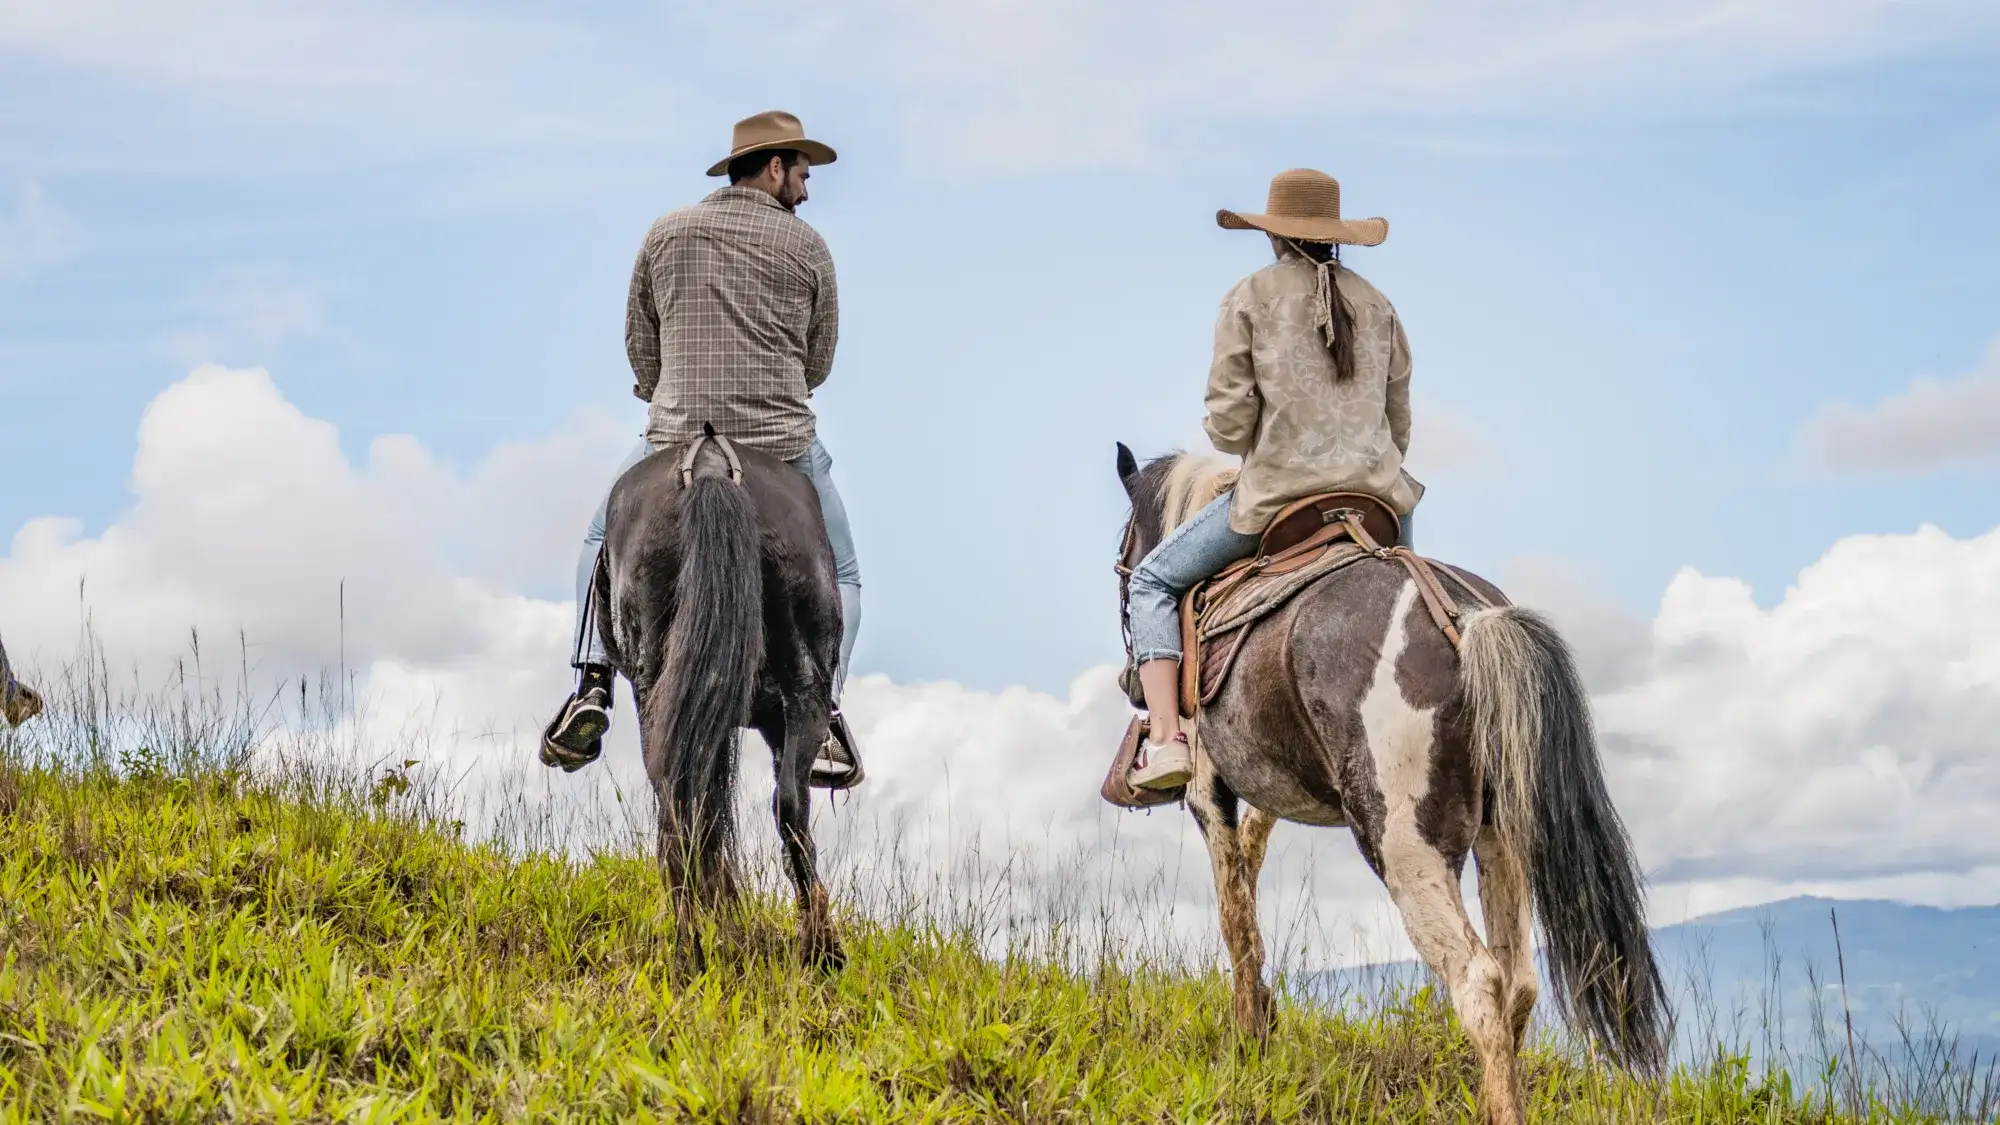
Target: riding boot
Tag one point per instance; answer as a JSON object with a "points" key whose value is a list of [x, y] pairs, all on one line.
{"points": [[576, 737]]}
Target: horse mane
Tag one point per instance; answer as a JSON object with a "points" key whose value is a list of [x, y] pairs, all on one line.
{"points": [[1192, 481]]}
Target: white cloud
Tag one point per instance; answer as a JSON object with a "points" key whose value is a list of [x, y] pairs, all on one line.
{"points": [[36, 233], [247, 515], [1838, 740], [1845, 733], [1934, 424]]}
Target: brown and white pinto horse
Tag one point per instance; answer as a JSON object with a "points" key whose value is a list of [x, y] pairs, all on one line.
{"points": [[1349, 707], [18, 702]]}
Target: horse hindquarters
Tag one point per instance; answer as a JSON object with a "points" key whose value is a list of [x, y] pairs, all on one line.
{"points": [[1417, 820]]}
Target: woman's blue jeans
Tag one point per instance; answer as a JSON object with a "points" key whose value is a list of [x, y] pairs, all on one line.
{"points": [[1191, 552], [1195, 550], [815, 463]]}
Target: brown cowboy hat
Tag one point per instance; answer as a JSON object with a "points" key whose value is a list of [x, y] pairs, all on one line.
{"points": [[1305, 205], [771, 132]]}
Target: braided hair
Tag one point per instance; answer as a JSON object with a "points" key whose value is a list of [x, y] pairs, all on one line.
{"points": [[1335, 316]]}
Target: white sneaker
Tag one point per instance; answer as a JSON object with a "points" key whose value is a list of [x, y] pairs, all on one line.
{"points": [[1164, 766]]}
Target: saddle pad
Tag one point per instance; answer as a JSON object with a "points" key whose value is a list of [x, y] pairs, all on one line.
{"points": [[1221, 626]]}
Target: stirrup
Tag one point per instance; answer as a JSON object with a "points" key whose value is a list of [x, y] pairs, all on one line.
{"points": [[576, 737], [839, 743]]}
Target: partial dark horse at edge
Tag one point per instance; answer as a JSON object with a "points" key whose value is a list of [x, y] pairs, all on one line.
{"points": [[723, 613], [18, 701]]}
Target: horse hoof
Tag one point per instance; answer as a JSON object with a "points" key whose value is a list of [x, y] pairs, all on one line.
{"points": [[1256, 1015], [826, 956]]}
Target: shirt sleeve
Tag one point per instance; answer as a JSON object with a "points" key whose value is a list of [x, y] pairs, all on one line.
{"points": [[642, 328], [1399, 386], [1233, 401], [824, 332]]}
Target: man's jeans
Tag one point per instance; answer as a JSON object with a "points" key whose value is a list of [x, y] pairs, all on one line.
{"points": [[1195, 550], [814, 463]]}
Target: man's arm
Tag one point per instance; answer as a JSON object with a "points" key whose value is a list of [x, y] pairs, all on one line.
{"points": [[642, 327], [824, 331], [1233, 401], [1399, 386]]}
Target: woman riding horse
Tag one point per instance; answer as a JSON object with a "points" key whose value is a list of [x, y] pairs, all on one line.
{"points": [[1436, 725], [1310, 384]]}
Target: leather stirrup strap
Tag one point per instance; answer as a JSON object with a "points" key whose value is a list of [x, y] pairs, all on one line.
{"points": [[1444, 611], [1190, 685], [708, 434]]}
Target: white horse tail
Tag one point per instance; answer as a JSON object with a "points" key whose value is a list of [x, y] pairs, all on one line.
{"points": [[1533, 736]]}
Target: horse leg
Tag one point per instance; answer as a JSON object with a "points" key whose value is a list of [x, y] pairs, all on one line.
{"points": [[1255, 834], [805, 729], [1425, 891], [1214, 807], [672, 846], [1504, 900]]}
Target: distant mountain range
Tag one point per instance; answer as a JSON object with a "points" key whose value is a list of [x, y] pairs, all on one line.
{"points": [[1746, 978]]}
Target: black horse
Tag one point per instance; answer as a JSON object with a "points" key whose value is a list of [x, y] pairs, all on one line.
{"points": [[723, 614]]}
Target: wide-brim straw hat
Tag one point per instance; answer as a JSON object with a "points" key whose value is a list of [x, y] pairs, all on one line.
{"points": [[772, 132], [1305, 205]]}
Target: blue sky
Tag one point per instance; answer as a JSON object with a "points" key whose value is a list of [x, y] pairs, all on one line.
{"points": [[1703, 300], [1625, 297]]}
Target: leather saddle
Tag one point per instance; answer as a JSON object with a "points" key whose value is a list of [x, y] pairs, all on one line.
{"points": [[1322, 532]]}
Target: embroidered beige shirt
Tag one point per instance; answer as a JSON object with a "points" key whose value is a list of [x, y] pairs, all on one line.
{"points": [[732, 319], [1273, 400]]}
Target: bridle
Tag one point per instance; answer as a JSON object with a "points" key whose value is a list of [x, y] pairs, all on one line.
{"points": [[1124, 567]]}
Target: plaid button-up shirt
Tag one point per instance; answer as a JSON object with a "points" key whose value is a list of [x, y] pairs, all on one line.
{"points": [[732, 319]]}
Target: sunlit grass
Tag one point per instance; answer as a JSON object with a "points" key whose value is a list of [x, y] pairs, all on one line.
{"points": [[186, 938]]}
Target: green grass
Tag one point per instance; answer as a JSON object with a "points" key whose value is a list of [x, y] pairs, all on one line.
{"points": [[209, 947]]}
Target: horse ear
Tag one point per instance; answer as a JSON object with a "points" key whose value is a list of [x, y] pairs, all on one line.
{"points": [[1127, 464]]}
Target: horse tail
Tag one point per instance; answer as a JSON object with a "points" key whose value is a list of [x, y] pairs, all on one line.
{"points": [[1533, 736], [714, 647]]}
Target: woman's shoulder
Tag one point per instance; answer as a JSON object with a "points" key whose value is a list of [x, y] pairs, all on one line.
{"points": [[1358, 288], [1283, 276]]}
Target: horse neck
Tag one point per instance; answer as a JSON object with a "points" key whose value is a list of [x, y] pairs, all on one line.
{"points": [[1193, 481]]}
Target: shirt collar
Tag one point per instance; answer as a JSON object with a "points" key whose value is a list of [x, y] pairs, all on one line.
{"points": [[737, 193]]}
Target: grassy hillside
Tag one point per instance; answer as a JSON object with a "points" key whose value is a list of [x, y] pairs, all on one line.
{"points": [[205, 948]]}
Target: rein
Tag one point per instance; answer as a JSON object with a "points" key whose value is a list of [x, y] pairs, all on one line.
{"points": [[1124, 567]]}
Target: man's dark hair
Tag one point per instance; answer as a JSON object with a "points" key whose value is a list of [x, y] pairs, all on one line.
{"points": [[751, 163]]}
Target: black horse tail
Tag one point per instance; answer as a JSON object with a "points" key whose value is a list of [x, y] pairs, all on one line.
{"points": [[1532, 731], [708, 674]]}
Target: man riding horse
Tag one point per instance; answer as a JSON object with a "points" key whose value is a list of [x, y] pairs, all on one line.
{"points": [[731, 322]]}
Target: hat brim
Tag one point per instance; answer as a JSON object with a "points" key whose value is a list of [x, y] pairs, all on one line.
{"points": [[1351, 232], [816, 153]]}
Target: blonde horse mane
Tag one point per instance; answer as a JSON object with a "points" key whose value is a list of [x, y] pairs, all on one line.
{"points": [[1193, 480]]}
